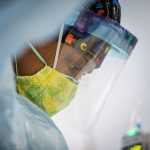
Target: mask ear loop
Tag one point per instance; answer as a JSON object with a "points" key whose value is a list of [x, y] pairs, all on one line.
{"points": [[36, 53], [58, 46]]}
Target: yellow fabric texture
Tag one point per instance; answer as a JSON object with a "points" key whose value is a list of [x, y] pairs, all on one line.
{"points": [[48, 89]]}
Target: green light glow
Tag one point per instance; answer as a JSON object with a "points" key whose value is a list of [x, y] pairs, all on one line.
{"points": [[132, 132]]}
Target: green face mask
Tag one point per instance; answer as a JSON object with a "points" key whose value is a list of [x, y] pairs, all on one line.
{"points": [[49, 89]]}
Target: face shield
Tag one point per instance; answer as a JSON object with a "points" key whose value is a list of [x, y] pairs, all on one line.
{"points": [[92, 44], [92, 39]]}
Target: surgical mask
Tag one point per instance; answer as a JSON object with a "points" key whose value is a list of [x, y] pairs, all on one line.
{"points": [[48, 89]]}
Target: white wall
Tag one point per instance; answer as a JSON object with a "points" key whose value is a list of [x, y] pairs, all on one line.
{"points": [[133, 84]]}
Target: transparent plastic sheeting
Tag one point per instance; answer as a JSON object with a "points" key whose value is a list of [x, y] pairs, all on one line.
{"points": [[100, 43], [24, 126]]}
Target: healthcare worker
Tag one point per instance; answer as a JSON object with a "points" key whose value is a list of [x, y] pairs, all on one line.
{"points": [[24, 125], [48, 74]]}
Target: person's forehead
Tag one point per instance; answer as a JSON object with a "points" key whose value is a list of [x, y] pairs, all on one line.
{"points": [[68, 50]]}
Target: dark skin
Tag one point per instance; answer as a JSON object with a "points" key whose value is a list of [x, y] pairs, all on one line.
{"points": [[29, 64]]}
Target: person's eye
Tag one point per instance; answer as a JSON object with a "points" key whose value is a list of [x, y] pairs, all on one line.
{"points": [[75, 65]]}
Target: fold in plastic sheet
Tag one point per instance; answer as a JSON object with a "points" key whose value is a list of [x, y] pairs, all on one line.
{"points": [[24, 126]]}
